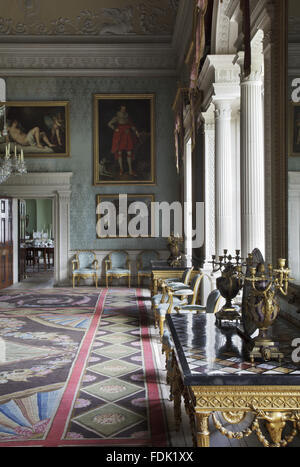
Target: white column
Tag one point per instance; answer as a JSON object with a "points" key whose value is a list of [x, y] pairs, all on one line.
{"points": [[223, 180], [209, 182], [220, 83], [252, 160]]}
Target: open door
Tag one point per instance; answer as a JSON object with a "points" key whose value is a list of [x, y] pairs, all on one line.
{"points": [[21, 240], [6, 243]]}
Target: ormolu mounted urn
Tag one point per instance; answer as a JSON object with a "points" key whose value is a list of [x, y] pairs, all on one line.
{"points": [[229, 285]]}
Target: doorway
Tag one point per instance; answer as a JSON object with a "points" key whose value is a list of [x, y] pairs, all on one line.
{"points": [[36, 241], [6, 243]]}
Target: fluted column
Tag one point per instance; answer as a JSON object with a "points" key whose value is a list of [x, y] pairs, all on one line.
{"points": [[209, 154], [252, 161], [223, 174]]}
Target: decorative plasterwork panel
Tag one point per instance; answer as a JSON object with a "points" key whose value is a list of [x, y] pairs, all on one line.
{"points": [[87, 17], [221, 26]]}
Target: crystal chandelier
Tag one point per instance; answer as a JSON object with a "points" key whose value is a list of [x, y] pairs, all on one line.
{"points": [[11, 163]]}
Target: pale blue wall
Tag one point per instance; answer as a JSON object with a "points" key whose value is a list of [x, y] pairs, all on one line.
{"points": [[79, 92]]}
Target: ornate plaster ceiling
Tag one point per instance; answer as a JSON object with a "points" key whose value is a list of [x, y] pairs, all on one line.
{"points": [[19, 18], [94, 37]]}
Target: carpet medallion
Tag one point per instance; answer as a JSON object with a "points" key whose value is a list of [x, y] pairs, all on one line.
{"points": [[77, 369]]}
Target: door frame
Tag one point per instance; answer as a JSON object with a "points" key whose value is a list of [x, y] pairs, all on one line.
{"points": [[55, 186]]}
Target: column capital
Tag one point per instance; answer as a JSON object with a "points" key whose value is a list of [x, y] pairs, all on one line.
{"points": [[208, 118], [223, 109], [256, 67], [218, 71]]}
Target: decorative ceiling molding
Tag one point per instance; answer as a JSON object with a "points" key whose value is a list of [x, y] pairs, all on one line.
{"points": [[86, 59], [74, 53]]}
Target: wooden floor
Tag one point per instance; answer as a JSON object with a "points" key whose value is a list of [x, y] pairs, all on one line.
{"points": [[183, 437]]}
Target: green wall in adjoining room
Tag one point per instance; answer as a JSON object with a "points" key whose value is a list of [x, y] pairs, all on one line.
{"points": [[31, 212], [79, 92], [39, 213]]}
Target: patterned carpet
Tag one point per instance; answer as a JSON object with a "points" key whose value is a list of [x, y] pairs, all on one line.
{"points": [[77, 369]]}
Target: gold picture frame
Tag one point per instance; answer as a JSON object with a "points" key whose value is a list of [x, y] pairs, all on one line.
{"points": [[124, 139], [40, 129], [294, 130], [131, 198]]}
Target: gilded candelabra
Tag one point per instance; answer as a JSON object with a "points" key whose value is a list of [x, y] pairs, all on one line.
{"points": [[262, 305], [229, 284], [175, 257]]}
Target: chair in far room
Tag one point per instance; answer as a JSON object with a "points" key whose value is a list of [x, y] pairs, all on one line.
{"points": [[85, 265], [143, 263], [117, 266]]}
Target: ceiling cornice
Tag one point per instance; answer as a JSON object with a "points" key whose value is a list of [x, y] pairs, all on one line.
{"points": [[110, 55]]}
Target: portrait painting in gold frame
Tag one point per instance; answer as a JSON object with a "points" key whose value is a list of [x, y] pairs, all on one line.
{"points": [[124, 214], [124, 139], [40, 129]]}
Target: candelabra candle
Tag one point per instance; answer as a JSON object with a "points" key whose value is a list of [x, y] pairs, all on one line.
{"points": [[14, 165], [225, 260]]}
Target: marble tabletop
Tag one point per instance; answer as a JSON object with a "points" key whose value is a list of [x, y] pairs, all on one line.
{"points": [[162, 265], [210, 356]]}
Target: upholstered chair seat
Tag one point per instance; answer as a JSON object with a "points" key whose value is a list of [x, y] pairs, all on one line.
{"points": [[117, 266], [85, 265], [211, 306], [182, 283]]}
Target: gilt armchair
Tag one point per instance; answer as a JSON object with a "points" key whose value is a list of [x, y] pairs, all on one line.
{"points": [[173, 283], [117, 266], [144, 267], [85, 265], [177, 298]]}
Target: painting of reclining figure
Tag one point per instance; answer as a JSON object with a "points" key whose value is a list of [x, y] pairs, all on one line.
{"points": [[41, 129]]}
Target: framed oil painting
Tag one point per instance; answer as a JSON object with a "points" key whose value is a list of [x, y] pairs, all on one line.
{"points": [[294, 130], [124, 139], [41, 129], [124, 216]]}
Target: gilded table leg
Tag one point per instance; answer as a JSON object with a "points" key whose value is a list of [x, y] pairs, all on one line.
{"points": [[161, 325], [190, 410], [202, 429], [176, 393]]}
